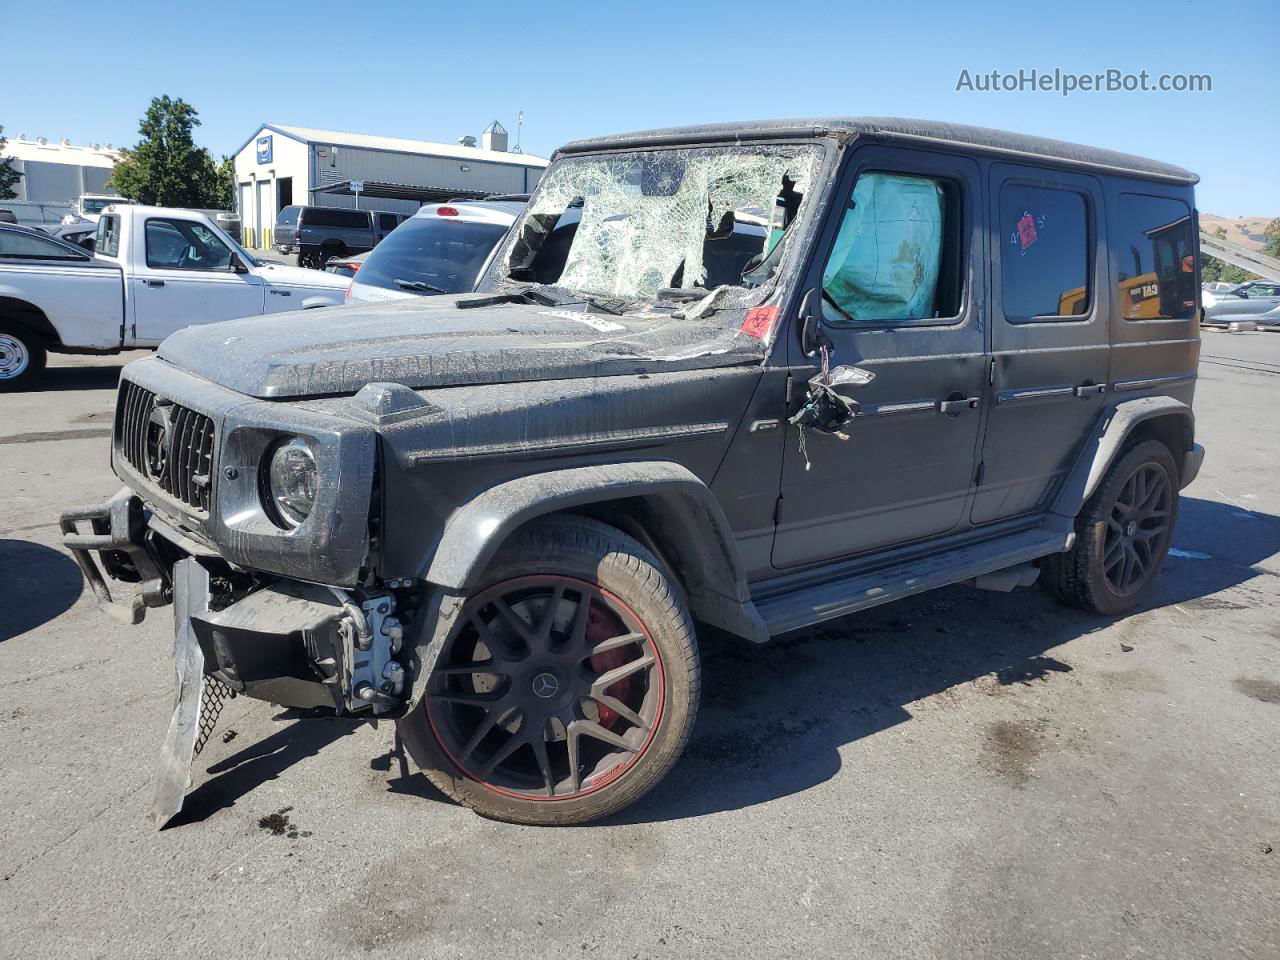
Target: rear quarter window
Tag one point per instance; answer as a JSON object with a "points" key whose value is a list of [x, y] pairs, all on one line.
{"points": [[1155, 257], [336, 219]]}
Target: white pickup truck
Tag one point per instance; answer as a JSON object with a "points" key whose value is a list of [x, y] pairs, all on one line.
{"points": [[155, 271]]}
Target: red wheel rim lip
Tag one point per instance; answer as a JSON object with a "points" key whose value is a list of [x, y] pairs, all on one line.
{"points": [[610, 776]]}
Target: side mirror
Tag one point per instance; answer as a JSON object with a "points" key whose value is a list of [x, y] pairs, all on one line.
{"points": [[812, 337], [238, 265], [849, 378]]}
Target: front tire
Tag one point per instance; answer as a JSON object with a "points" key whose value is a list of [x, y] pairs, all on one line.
{"points": [[1122, 535], [22, 357], [567, 686]]}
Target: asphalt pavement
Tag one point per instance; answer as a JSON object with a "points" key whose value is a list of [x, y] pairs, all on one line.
{"points": [[960, 775]]}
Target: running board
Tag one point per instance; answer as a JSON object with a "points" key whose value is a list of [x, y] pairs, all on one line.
{"points": [[836, 598]]}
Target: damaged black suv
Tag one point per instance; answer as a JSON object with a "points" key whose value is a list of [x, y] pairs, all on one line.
{"points": [[741, 378]]}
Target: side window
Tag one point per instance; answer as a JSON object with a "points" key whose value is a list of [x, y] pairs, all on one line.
{"points": [[1156, 277], [107, 241], [897, 254], [15, 244], [1044, 257], [184, 245], [387, 221], [354, 220]]}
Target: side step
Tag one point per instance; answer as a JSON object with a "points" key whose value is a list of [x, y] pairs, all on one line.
{"points": [[836, 598]]}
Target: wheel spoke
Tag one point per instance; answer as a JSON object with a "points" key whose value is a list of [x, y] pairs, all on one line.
{"points": [[466, 669], [621, 709], [610, 677], [517, 740], [491, 719], [614, 643], [513, 620], [589, 728], [543, 635], [539, 743], [499, 646], [575, 760], [471, 699], [1114, 550], [578, 628]]}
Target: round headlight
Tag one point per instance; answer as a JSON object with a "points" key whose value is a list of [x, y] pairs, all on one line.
{"points": [[291, 481]]}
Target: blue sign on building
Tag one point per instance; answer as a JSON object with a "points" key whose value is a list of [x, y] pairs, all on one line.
{"points": [[264, 149]]}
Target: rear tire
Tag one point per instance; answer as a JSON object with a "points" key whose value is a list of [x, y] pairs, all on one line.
{"points": [[590, 693], [1122, 535], [22, 357]]}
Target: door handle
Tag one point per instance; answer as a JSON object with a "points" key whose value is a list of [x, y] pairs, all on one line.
{"points": [[954, 407], [1090, 390], [153, 283]]}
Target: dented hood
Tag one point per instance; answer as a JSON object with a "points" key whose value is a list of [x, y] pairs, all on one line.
{"points": [[432, 342]]}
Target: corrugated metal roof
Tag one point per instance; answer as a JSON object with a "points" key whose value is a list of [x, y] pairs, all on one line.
{"points": [[370, 142]]}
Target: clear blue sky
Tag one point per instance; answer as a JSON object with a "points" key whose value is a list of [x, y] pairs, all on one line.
{"points": [[436, 71]]}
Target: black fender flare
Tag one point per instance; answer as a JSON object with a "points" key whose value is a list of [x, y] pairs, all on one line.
{"points": [[692, 520], [1109, 437]]}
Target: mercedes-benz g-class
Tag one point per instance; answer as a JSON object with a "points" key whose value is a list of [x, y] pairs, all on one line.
{"points": [[741, 378]]}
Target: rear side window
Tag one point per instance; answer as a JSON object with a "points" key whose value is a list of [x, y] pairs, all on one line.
{"points": [[1044, 259], [16, 244], [431, 255], [387, 221], [336, 219], [1156, 276], [107, 241], [288, 216]]}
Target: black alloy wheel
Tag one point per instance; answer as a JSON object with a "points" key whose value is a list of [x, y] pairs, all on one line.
{"points": [[550, 688]]}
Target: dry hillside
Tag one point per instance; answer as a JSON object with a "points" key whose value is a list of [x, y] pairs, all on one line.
{"points": [[1243, 230]]}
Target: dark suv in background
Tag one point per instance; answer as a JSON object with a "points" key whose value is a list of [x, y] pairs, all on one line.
{"points": [[321, 234], [743, 378]]}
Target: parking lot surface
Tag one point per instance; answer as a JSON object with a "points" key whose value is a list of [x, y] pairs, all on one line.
{"points": [[962, 775]]}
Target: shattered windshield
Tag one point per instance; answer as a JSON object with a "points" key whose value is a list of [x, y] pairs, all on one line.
{"points": [[666, 224]]}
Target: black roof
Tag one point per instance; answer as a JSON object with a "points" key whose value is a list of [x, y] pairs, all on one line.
{"points": [[898, 129]]}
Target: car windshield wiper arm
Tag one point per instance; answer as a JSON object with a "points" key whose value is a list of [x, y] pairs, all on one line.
{"points": [[420, 285]]}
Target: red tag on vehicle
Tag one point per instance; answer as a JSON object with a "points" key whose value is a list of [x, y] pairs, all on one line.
{"points": [[760, 321], [1026, 231]]}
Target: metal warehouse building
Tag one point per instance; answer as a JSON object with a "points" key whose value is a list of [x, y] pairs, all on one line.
{"points": [[55, 174], [281, 165]]}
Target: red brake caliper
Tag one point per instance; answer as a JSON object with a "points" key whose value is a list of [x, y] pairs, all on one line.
{"points": [[601, 626]]}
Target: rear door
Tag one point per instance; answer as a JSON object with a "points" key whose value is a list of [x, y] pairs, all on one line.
{"points": [[1049, 328], [182, 275], [901, 271]]}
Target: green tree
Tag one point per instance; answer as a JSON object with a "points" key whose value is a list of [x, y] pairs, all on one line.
{"points": [[8, 176], [166, 168], [1271, 238]]}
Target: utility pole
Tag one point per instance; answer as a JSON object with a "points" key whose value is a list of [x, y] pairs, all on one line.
{"points": [[519, 127]]}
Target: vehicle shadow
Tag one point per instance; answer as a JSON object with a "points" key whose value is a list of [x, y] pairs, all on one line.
{"points": [[238, 775], [37, 583], [98, 377], [774, 717]]}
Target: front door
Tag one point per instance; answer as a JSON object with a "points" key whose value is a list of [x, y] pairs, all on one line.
{"points": [[900, 273], [1049, 335], [184, 275]]}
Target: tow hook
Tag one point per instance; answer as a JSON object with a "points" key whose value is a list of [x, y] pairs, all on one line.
{"points": [[372, 636]]}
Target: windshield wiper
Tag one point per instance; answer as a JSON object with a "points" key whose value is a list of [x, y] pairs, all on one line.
{"points": [[421, 286]]}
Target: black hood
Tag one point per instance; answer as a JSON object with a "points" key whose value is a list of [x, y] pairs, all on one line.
{"points": [[431, 342]]}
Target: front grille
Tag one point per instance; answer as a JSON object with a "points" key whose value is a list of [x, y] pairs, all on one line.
{"points": [[167, 443]]}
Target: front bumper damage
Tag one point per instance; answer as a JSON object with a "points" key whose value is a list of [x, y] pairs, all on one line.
{"points": [[283, 641]]}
